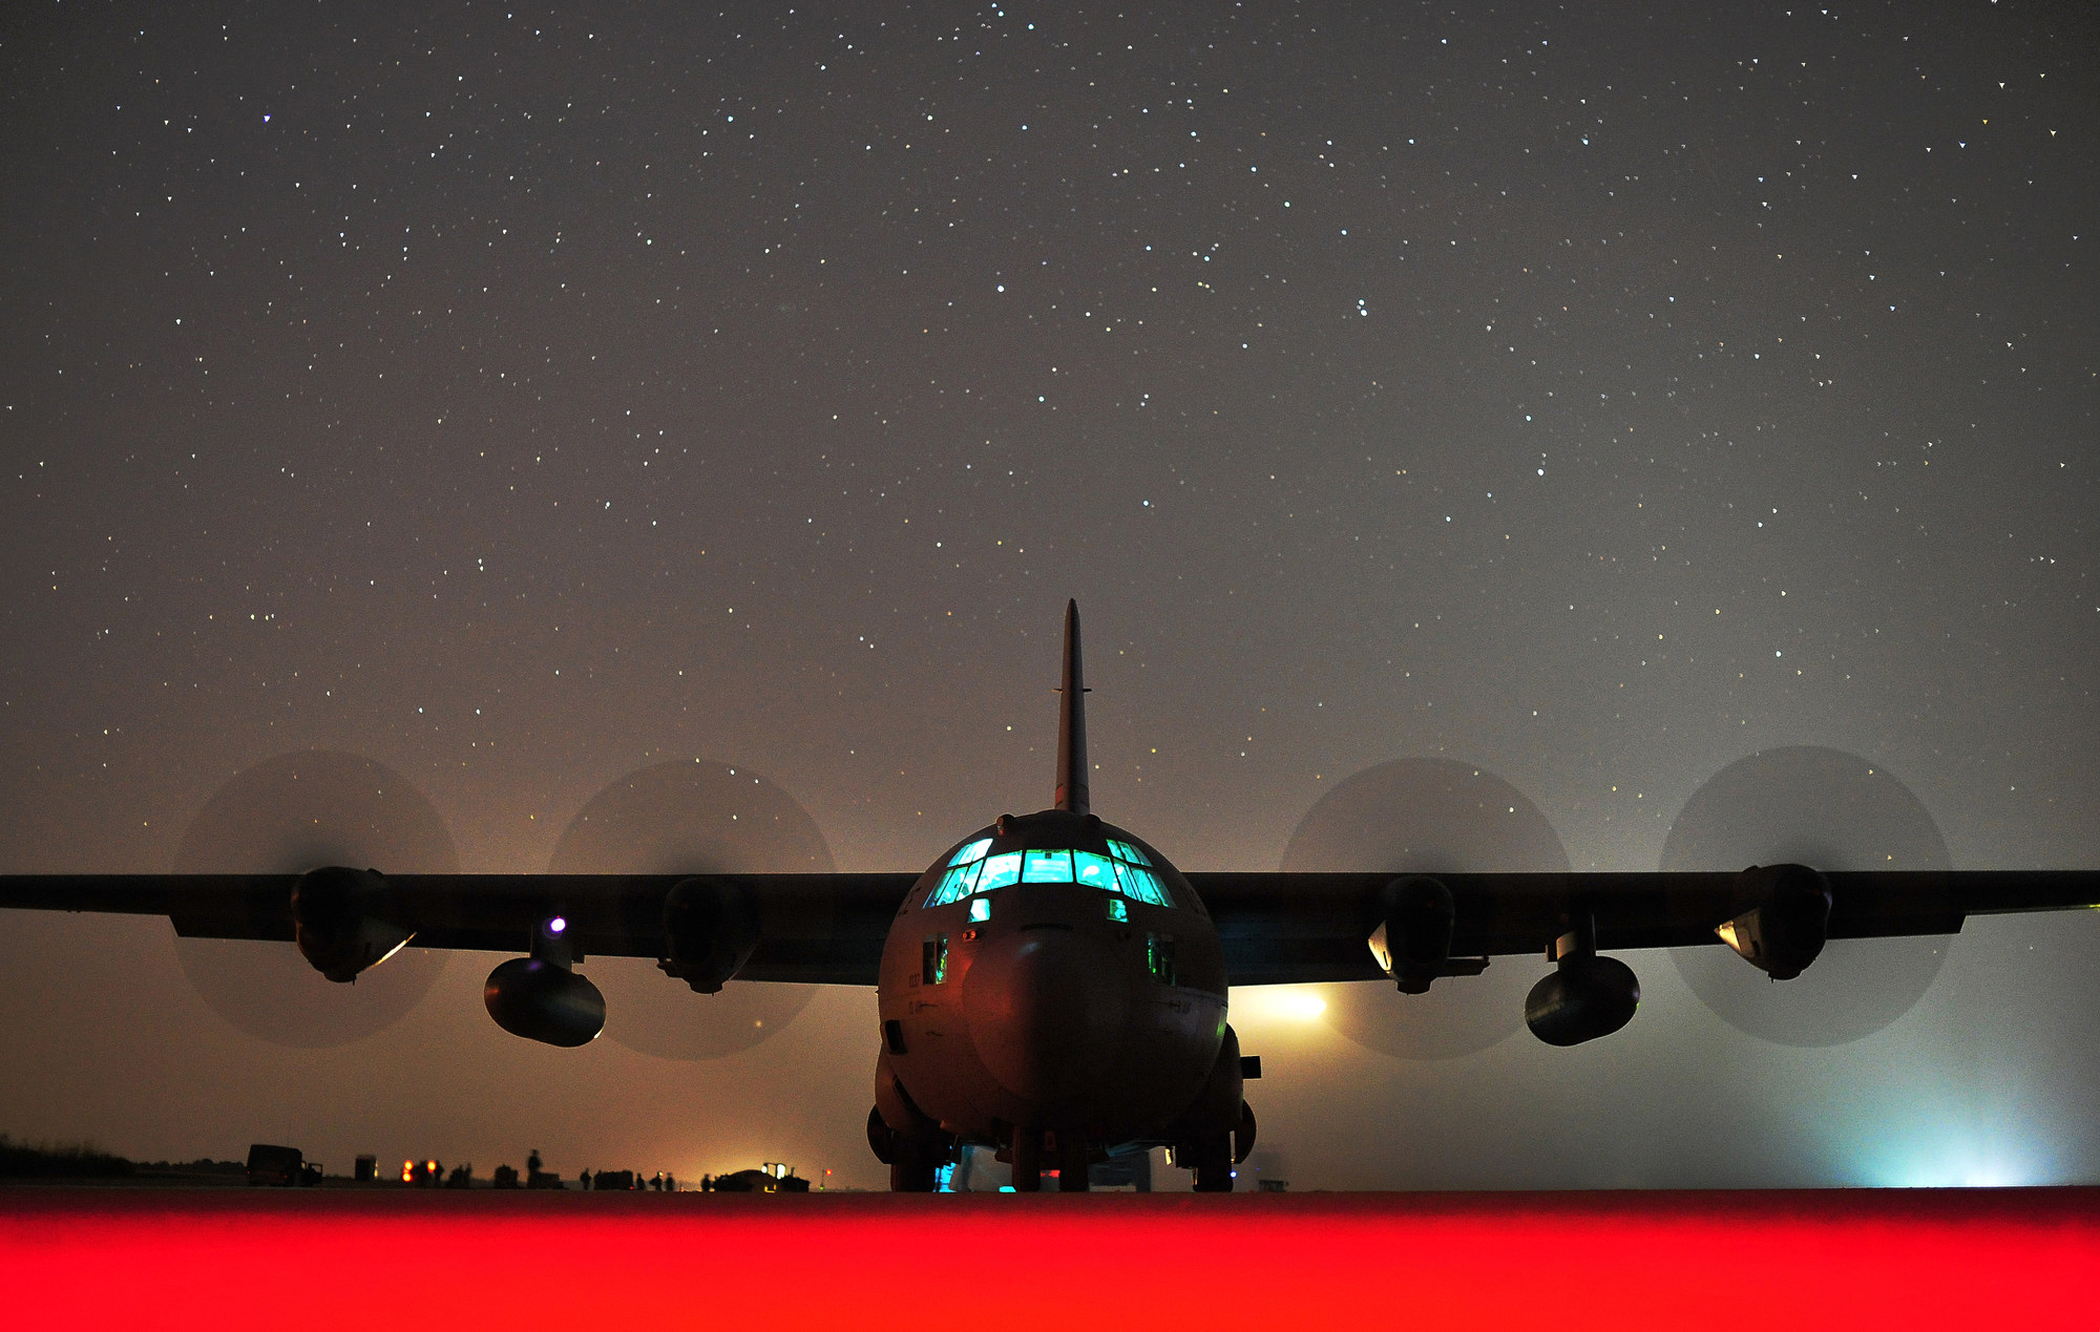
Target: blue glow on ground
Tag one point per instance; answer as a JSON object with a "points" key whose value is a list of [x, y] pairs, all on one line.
{"points": [[1955, 1157]]}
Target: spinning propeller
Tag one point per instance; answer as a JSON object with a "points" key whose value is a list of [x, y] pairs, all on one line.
{"points": [[1428, 815], [1808, 805], [291, 814], [691, 818]]}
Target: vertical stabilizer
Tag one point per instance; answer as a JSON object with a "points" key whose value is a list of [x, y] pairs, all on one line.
{"points": [[1071, 723]]}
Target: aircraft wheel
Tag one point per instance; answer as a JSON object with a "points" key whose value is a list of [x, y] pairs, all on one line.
{"points": [[1243, 1136], [1073, 1158], [882, 1139], [915, 1164], [911, 1176], [1213, 1164], [1028, 1159]]}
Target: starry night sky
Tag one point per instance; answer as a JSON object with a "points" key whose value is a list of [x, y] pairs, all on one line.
{"points": [[522, 396]]}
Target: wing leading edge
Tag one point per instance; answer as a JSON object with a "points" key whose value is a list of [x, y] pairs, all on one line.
{"points": [[822, 929], [1303, 928], [1276, 927]]}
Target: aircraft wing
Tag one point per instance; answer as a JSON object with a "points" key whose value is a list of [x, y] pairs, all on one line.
{"points": [[1276, 927], [813, 928], [1302, 928]]}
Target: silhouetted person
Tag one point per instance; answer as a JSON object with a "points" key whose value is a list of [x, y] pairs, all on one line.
{"points": [[532, 1162], [583, 1180], [670, 1182]]}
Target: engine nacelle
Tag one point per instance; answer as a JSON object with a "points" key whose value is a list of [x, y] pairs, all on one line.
{"points": [[1413, 941], [1788, 924], [711, 929], [544, 1002], [1587, 996], [339, 919]]}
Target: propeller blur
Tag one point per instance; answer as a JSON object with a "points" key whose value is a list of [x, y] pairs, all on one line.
{"points": [[1052, 987]]}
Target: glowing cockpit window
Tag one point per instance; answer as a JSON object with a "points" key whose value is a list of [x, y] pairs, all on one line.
{"points": [[1047, 867], [1141, 885], [1094, 871], [1125, 851], [956, 884], [1127, 883], [1155, 886], [1118, 909], [980, 908], [1000, 871], [971, 872]]}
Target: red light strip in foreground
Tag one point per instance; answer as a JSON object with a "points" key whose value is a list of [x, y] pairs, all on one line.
{"points": [[325, 1259]]}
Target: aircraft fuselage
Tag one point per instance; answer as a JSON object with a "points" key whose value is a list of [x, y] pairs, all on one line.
{"points": [[1054, 975]]}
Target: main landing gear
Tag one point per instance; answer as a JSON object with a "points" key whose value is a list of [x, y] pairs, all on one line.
{"points": [[1212, 1156], [914, 1159]]}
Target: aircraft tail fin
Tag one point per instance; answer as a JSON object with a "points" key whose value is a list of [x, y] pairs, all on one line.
{"points": [[1071, 723]]}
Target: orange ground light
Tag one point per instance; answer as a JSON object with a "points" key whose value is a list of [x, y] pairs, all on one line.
{"points": [[2009, 1258]]}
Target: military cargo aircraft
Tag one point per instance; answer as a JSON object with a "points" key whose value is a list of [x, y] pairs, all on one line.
{"points": [[1052, 986]]}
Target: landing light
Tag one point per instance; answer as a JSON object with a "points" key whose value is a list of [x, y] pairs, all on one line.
{"points": [[557, 925]]}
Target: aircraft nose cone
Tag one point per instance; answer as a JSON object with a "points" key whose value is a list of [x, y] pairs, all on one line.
{"points": [[1047, 1009]]}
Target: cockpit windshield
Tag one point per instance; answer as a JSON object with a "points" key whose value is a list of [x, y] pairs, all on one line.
{"points": [[1125, 870]]}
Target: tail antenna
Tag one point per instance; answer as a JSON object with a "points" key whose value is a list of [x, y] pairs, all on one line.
{"points": [[1071, 723]]}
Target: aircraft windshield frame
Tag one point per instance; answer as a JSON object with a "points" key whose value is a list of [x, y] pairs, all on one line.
{"points": [[1125, 871]]}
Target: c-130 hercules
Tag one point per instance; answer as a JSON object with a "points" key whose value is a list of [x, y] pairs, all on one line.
{"points": [[1052, 987]]}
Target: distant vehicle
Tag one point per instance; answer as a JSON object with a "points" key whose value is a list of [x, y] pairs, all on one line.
{"points": [[423, 1174], [772, 1179], [281, 1167]]}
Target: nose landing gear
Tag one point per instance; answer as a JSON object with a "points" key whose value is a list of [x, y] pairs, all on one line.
{"points": [[1028, 1159], [1070, 1149], [1073, 1161]]}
